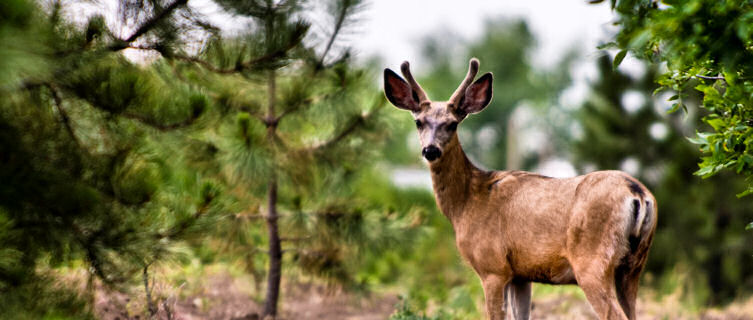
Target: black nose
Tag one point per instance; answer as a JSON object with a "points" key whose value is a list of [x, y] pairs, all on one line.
{"points": [[431, 153]]}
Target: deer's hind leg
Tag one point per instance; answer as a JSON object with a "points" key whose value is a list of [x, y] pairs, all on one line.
{"points": [[626, 281], [600, 291], [518, 297], [595, 250]]}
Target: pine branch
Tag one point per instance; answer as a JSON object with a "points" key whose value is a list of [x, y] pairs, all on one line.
{"points": [[148, 25], [355, 123], [91, 256], [339, 22], [157, 125], [241, 66], [185, 224], [63, 114], [304, 104]]}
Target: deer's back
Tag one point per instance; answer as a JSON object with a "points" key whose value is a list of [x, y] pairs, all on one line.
{"points": [[524, 220]]}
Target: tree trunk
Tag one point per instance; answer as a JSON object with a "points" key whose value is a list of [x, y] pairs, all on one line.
{"points": [[275, 253]]}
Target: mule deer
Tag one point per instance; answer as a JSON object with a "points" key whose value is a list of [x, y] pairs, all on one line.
{"points": [[516, 227]]}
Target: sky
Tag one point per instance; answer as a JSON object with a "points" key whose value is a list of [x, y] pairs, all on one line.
{"points": [[391, 28]]}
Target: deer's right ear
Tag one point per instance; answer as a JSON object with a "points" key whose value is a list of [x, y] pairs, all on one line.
{"points": [[399, 92]]}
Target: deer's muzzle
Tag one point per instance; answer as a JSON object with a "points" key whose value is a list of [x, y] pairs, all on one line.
{"points": [[431, 153]]}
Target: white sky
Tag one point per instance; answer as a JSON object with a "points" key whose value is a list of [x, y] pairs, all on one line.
{"points": [[391, 28]]}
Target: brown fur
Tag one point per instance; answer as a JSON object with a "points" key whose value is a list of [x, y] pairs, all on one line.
{"points": [[515, 227]]}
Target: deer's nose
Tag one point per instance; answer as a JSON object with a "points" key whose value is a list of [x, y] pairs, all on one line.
{"points": [[431, 153]]}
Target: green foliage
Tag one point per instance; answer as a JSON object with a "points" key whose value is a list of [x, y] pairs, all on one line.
{"points": [[297, 114], [41, 298], [699, 220], [88, 173], [405, 312], [706, 46]]}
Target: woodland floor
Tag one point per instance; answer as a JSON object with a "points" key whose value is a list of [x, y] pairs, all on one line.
{"points": [[223, 296]]}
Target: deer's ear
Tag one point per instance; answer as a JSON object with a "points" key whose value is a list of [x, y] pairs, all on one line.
{"points": [[398, 92], [477, 96]]}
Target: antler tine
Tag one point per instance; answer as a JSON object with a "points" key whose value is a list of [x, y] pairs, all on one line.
{"points": [[460, 91], [405, 68]]}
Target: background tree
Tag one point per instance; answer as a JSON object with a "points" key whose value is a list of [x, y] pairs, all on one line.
{"points": [[706, 46], [623, 128]]}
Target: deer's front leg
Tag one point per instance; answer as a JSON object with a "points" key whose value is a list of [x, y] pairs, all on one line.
{"points": [[494, 295]]}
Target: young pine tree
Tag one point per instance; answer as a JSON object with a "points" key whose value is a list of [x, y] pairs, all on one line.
{"points": [[297, 126]]}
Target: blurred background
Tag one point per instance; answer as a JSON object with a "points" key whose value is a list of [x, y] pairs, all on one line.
{"points": [[218, 159]]}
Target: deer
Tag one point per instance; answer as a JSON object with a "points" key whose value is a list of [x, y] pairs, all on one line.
{"points": [[515, 227]]}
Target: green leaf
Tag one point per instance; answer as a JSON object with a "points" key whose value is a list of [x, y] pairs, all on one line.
{"points": [[699, 140], [674, 97], [717, 124], [608, 45], [705, 172], [618, 58], [676, 106], [749, 226], [747, 159]]}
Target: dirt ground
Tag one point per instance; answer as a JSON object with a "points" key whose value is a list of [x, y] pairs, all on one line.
{"points": [[221, 296]]}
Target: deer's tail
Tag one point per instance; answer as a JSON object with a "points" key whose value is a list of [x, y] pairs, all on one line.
{"points": [[643, 212]]}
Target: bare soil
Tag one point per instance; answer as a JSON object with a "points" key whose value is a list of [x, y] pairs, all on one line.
{"points": [[222, 296]]}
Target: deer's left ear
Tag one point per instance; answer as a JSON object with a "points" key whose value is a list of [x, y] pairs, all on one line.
{"points": [[477, 96], [399, 92]]}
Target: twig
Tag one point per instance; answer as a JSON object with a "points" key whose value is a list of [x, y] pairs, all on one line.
{"points": [[338, 26], [150, 304], [295, 239], [183, 225], [63, 115], [148, 25], [709, 77], [168, 310], [241, 66]]}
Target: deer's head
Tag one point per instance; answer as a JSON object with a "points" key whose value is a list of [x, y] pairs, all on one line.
{"points": [[437, 122]]}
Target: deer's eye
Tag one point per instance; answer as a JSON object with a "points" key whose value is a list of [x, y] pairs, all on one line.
{"points": [[419, 124], [452, 126]]}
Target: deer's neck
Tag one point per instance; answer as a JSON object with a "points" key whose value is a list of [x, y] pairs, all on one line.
{"points": [[453, 177]]}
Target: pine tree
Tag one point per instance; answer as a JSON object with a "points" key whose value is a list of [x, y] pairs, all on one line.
{"points": [[88, 160], [296, 128]]}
